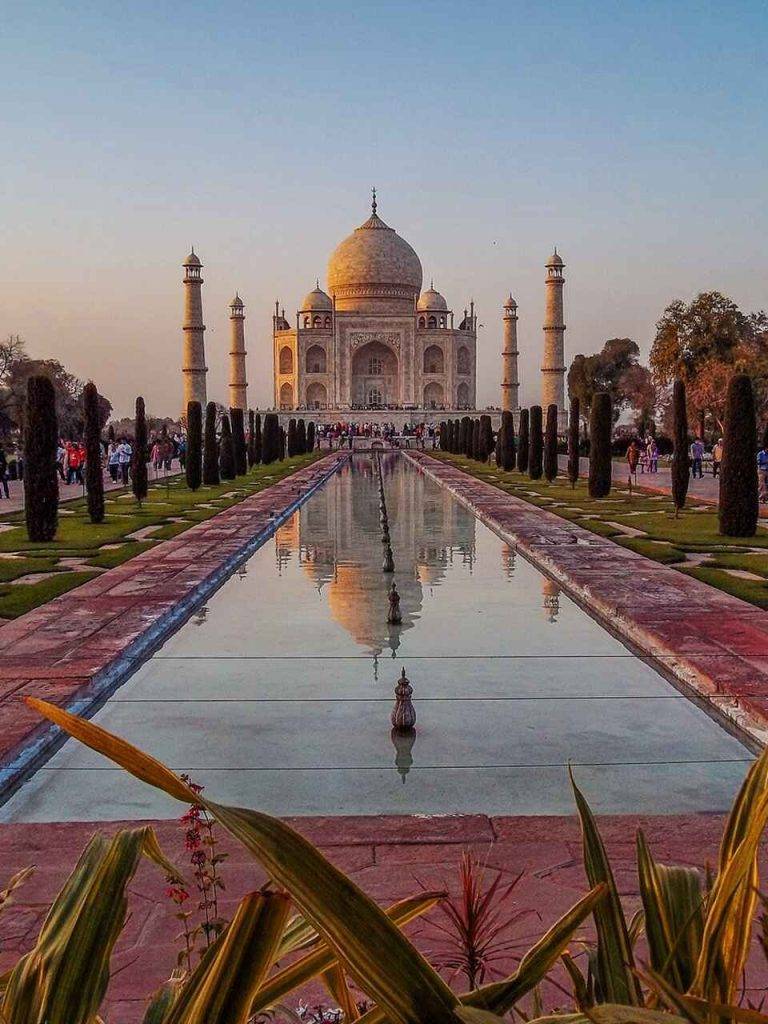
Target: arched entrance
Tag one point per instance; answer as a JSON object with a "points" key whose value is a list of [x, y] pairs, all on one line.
{"points": [[315, 361], [433, 359], [433, 395], [286, 360], [317, 396], [374, 376], [286, 396], [462, 396]]}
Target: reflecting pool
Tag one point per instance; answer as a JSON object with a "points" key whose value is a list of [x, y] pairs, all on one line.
{"points": [[278, 693]]}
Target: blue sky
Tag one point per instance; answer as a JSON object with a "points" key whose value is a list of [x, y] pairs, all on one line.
{"points": [[632, 135]]}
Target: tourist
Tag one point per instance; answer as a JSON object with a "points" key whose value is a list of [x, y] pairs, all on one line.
{"points": [[697, 458], [633, 457], [762, 469], [653, 456], [4, 472], [717, 457], [61, 457], [124, 454], [113, 461]]}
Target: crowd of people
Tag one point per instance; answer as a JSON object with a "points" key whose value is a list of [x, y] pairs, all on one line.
{"points": [[343, 434]]}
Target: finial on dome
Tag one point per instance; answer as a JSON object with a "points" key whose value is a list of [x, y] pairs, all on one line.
{"points": [[373, 201], [431, 284]]}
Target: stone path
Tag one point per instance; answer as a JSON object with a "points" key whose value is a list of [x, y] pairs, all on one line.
{"points": [[73, 649], [389, 857], [710, 642], [67, 492]]}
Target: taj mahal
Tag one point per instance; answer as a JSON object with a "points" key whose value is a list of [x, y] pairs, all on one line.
{"points": [[374, 341]]}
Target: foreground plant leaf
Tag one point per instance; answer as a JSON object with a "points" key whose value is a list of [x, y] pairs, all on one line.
{"points": [[614, 960], [613, 1013], [377, 954], [674, 916], [221, 988], [62, 980]]}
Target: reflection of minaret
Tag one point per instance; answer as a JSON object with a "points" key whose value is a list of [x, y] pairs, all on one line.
{"points": [[508, 556], [193, 365], [237, 383], [510, 383], [553, 364], [403, 744], [551, 594]]}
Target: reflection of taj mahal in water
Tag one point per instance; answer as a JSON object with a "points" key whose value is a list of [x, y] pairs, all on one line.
{"points": [[430, 532], [376, 341]]}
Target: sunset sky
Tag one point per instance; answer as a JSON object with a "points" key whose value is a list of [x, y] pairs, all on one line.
{"points": [[631, 135]]}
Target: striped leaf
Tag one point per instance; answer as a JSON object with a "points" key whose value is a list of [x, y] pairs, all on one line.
{"points": [[62, 980], [614, 962], [377, 954]]}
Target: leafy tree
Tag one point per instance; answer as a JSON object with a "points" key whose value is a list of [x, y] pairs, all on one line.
{"points": [[617, 370], [193, 467], [94, 475], [524, 442], [251, 439], [535, 458], [507, 433], [739, 508], [680, 461], [139, 481], [41, 488], [573, 442], [600, 429], [210, 448], [227, 468], [237, 423], [550, 444], [311, 436], [68, 392]]}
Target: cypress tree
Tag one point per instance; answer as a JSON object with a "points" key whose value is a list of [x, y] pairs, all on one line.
{"points": [[111, 434], [94, 475], [292, 450], [680, 460], [486, 438], [475, 451], [536, 444], [281, 446], [573, 442], [237, 420], [210, 448], [524, 442], [739, 501], [139, 480], [507, 434], [301, 438], [251, 440], [227, 467], [257, 438], [600, 428], [270, 439], [311, 436], [443, 437], [550, 444], [465, 436], [194, 464], [41, 488], [456, 437], [499, 443]]}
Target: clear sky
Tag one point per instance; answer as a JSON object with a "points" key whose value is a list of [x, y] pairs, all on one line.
{"points": [[631, 134]]}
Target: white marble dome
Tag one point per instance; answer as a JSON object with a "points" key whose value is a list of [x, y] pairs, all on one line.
{"points": [[317, 299], [432, 301]]}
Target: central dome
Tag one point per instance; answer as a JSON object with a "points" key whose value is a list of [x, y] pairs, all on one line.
{"points": [[374, 270]]}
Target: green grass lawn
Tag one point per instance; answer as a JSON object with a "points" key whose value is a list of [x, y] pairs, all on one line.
{"points": [[689, 543], [169, 509]]}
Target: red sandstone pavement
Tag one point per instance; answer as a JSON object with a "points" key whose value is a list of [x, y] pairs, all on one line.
{"points": [[711, 642], [389, 857], [65, 649]]}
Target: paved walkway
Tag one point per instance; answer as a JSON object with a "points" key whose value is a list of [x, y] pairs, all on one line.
{"points": [[713, 644], [75, 648], [67, 492]]}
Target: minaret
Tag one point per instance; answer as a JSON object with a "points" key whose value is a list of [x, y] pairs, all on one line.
{"points": [[193, 367], [553, 366], [510, 383], [237, 382]]}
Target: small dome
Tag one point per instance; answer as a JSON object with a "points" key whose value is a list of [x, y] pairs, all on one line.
{"points": [[237, 301], [193, 260], [510, 303], [317, 299], [432, 300], [555, 260]]}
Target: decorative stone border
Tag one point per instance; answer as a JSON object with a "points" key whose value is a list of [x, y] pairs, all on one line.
{"points": [[713, 646], [77, 649]]}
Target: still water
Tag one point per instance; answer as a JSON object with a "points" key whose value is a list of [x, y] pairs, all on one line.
{"points": [[278, 693]]}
